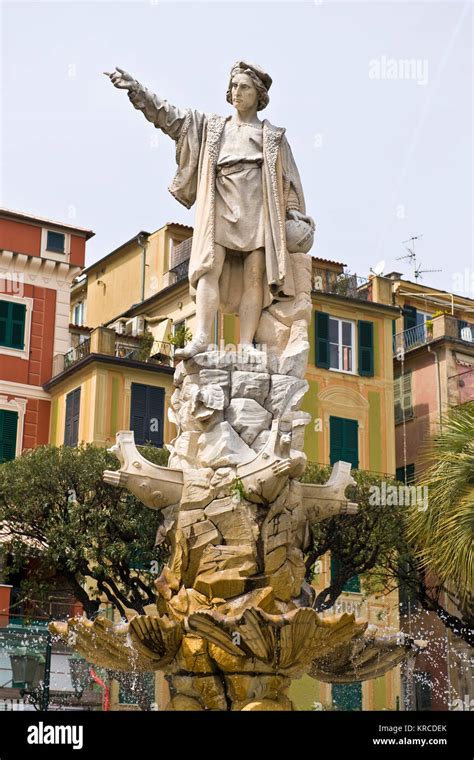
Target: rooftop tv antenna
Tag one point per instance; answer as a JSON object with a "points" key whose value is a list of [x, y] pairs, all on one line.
{"points": [[419, 272], [411, 255]]}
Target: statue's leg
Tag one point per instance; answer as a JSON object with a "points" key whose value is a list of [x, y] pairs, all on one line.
{"points": [[207, 304], [252, 296]]}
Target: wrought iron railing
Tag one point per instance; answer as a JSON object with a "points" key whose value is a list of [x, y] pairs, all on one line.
{"points": [[423, 333], [341, 284], [411, 338], [162, 353], [62, 362], [465, 331], [181, 270]]}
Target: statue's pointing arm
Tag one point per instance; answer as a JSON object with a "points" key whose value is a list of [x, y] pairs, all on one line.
{"points": [[170, 119]]}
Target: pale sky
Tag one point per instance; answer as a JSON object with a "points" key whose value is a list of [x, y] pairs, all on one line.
{"points": [[385, 150]]}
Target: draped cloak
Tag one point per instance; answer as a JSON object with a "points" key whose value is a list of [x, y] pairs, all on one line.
{"points": [[197, 136]]}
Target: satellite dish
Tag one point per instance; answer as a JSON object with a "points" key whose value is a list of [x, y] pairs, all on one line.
{"points": [[378, 268]]}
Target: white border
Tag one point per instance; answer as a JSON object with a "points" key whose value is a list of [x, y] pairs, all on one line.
{"points": [[17, 405], [45, 254], [11, 388], [20, 353]]}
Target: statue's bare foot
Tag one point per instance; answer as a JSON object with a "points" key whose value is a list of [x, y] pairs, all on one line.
{"points": [[196, 346]]}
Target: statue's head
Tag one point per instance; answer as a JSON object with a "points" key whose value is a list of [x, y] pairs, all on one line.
{"points": [[248, 86]]}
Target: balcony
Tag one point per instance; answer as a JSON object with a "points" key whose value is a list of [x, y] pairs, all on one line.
{"points": [[443, 326], [106, 342], [181, 270], [343, 284], [180, 260], [62, 362], [162, 353]]}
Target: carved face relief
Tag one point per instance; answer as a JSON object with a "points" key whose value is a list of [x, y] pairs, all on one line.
{"points": [[244, 92]]}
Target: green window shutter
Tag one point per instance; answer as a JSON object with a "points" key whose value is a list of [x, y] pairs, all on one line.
{"points": [[343, 440], [366, 348], [409, 317], [347, 696], [71, 427], [406, 395], [147, 414], [397, 400], [402, 397], [406, 474], [8, 433], [353, 584], [12, 324], [18, 325], [322, 340], [4, 322]]}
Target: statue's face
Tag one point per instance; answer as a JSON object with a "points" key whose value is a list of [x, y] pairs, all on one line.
{"points": [[244, 92]]}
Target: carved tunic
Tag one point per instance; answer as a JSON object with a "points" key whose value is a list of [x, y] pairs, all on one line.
{"points": [[239, 196]]}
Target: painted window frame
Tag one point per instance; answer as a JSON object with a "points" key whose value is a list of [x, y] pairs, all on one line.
{"points": [[20, 353], [81, 306], [17, 405], [52, 254], [353, 346]]}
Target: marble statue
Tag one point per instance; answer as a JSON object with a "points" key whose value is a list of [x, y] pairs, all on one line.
{"points": [[241, 174], [234, 620]]}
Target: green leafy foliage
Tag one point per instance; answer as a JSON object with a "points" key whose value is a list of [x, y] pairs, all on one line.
{"points": [[180, 337], [443, 534], [362, 543], [63, 520]]}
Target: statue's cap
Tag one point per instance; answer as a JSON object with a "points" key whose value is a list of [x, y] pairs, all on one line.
{"points": [[241, 66]]}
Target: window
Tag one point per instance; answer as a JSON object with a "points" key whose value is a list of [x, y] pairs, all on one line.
{"points": [[409, 317], [8, 433], [147, 414], [343, 441], [352, 585], [423, 689], [341, 344], [71, 428], [78, 314], [406, 474], [179, 326], [347, 696], [402, 397], [12, 324], [55, 241], [336, 343]]}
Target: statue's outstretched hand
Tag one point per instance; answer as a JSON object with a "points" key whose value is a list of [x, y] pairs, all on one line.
{"points": [[121, 79]]}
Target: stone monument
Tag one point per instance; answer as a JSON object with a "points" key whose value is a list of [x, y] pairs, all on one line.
{"points": [[234, 621]]}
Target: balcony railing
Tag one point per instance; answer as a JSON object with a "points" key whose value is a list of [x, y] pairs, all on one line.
{"points": [[180, 259], [411, 338], [444, 326], [61, 362], [162, 353], [181, 271], [108, 344], [465, 331], [341, 284]]}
